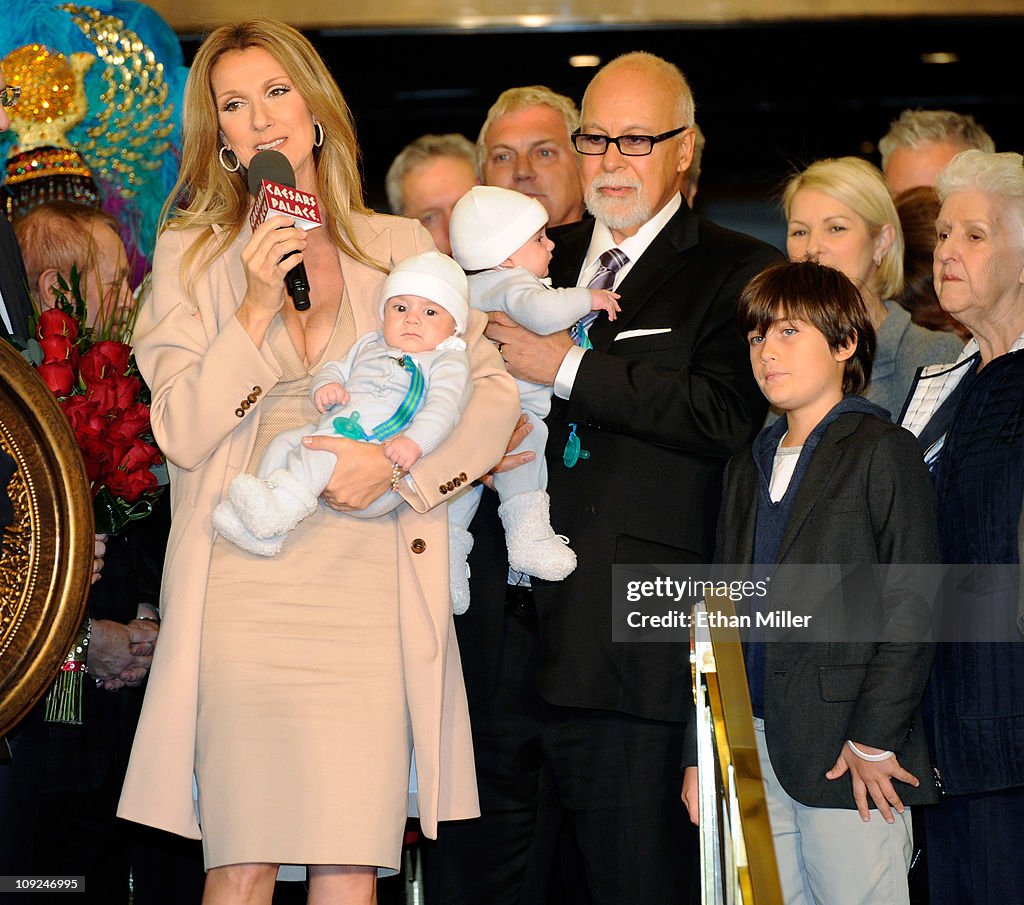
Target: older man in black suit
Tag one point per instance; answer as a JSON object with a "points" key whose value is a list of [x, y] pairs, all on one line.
{"points": [[660, 398]]}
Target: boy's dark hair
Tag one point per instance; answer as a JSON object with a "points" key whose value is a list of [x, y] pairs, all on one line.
{"points": [[820, 296]]}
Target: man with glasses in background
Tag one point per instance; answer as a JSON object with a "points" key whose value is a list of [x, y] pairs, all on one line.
{"points": [[14, 300], [659, 398]]}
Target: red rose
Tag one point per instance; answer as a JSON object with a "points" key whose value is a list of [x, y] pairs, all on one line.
{"points": [[58, 376], [141, 455], [54, 322], [104, 361], [56, 349], [132, 477], [130, 485], [86, 420], [114, 395], [130, 423], [97, 456]]}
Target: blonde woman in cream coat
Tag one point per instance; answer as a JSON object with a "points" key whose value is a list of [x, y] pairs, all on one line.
{"points": [[295, 687]]}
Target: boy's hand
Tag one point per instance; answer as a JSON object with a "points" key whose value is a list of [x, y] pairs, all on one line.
{"points": [[605, 300], [330, 394], [402, 451], [874, 778]]}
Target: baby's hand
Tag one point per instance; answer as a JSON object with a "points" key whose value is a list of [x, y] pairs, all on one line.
{"points": [[402, 451], [330, 394], [604, 300]]}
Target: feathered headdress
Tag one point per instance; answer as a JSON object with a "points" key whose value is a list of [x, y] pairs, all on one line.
{"points": [[99, 115]]}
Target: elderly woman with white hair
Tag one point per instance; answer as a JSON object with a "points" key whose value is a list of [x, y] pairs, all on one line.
{"points": [[839, 213], [969, 417]]}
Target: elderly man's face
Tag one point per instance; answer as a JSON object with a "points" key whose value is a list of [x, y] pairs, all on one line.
{"points": [[625, 192], [528, 151], [430, 191]]}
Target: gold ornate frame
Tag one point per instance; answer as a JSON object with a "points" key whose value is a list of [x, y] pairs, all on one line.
{"points": [[47, 554]]}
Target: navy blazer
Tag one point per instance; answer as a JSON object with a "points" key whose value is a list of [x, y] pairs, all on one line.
{"points": [[866, 498]]}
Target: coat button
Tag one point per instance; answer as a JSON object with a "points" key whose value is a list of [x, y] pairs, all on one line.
{"points": [[252, 397], [240, 413], [450, 485], [463, 478], [457, 482], [419, 545], [245, 403], [443, 489], [257, 390]]}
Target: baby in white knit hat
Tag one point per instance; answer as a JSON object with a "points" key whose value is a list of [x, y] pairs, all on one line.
{"points": [[404, 386], [498, 238]]}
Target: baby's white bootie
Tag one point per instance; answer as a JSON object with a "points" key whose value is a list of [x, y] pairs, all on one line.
{"points": [[533, 546], [230, 527], [271, 505], [460, 542]]}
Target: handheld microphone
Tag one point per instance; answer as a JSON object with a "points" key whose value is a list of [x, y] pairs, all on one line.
{"points": [[272, 181]]}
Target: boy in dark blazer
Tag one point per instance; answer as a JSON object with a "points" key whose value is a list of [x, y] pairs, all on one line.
{"points": [[832, 482]]}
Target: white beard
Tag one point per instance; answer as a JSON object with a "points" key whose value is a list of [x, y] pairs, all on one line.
{"points": [[617, 213]]}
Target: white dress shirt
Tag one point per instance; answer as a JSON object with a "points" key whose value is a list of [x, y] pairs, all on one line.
{"points": [[633, 247]]}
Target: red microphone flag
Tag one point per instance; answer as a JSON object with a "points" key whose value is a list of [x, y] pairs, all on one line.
{"points": [[275, 198]]}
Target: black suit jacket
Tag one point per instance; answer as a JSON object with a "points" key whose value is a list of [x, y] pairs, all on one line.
{"points": [[660, 414], [13, 282], [866, 498]]}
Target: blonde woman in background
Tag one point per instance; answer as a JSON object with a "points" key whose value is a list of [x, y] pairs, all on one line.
{"points": [[839, 213]]}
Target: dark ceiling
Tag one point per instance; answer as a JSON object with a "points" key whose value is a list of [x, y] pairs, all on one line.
{"points": [[769, 97]]}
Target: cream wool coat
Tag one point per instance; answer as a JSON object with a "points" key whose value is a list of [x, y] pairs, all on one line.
{"points": [[200, 364]]}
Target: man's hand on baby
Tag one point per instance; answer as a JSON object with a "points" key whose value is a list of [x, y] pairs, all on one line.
{"points": [[402, 451], [605, 300], [330, 394]]}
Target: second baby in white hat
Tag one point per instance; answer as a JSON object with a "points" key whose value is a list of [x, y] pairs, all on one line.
{"points": [[498, 238]]}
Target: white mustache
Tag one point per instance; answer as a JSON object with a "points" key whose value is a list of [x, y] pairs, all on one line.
{"points": [[608, 181]]}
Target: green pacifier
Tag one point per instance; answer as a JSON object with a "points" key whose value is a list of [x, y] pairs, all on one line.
{"points": [[573, 452], [348, 426]]}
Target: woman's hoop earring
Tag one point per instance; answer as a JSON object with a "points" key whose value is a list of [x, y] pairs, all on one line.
{"points": [[319, 134], [220, 156]]}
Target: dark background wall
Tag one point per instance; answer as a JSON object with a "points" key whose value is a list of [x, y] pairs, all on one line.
{"points": [[770, 98]]}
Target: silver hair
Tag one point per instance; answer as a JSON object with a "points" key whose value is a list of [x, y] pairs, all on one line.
{"points": [[917, 127], [989, 173]]}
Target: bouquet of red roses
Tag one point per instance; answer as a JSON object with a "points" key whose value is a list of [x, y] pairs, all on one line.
{"points": [[99, 389]]}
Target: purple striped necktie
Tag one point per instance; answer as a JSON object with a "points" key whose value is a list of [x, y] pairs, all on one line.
{"points": [[609, 263]]}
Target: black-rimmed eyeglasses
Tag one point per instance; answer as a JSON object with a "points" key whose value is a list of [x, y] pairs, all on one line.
{"points": [[9, 95], [628, 145]]}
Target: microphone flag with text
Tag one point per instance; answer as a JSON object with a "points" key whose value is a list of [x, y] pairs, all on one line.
{"points": [[272, 181]]}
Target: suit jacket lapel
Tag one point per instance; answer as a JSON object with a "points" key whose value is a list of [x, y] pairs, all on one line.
{"points": [[571, 244], [662, 260], [738, 543], [824, 460]]}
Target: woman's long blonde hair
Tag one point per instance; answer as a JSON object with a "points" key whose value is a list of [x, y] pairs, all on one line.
{"points": [[207, 195], [861, 187]]}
